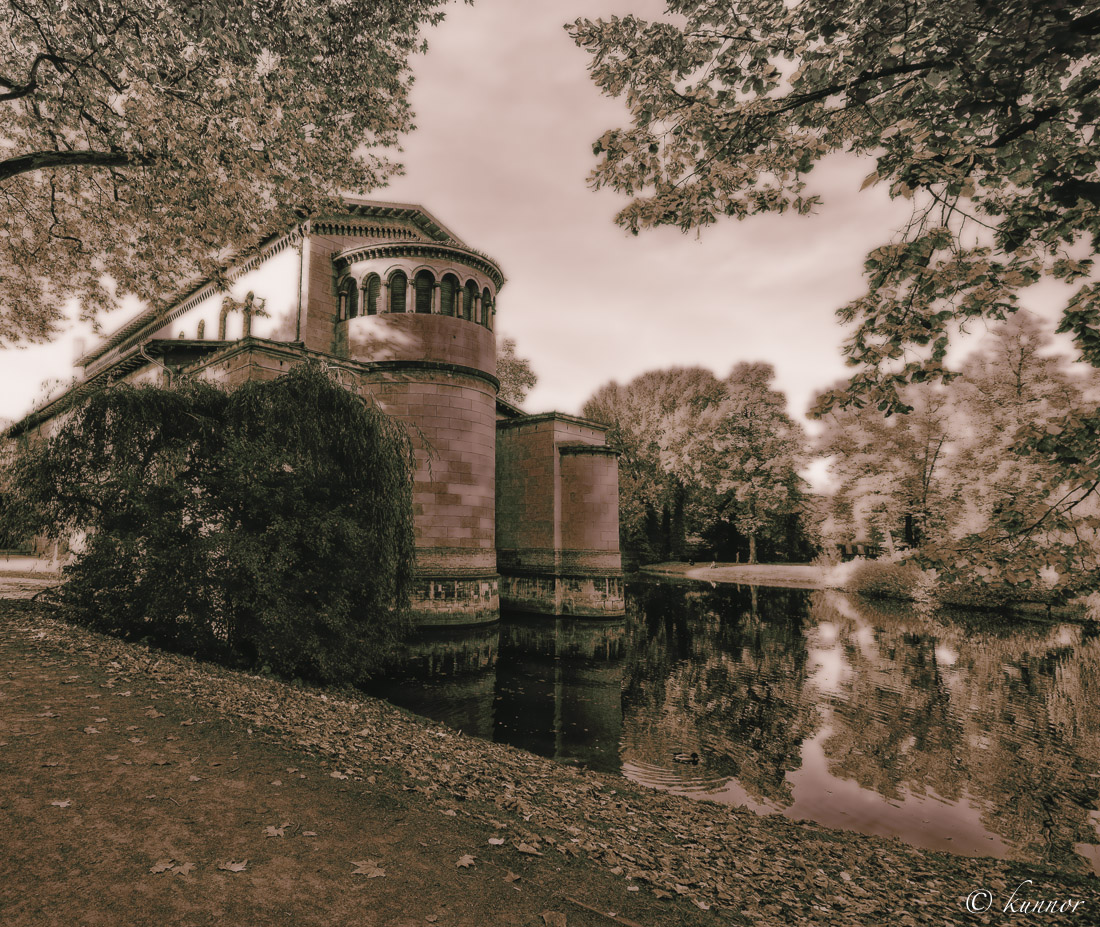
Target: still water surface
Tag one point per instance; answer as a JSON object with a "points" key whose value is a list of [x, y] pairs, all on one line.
{"points": [[973, 734]]}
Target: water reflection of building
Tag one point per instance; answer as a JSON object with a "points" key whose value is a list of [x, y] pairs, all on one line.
{"points": [[449, 676], [559, 689], [548, 685]]}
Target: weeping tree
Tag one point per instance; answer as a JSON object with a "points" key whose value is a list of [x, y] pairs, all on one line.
{"points": [[270, 526]]}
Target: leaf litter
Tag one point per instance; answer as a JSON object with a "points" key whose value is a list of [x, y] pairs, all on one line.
{"points": [[762, 870]]}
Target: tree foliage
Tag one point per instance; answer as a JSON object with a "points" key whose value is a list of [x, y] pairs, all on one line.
{"points": [[983, 114], [271, 525], [141, 139], [711, 457], [516, 376], [964, 470]]}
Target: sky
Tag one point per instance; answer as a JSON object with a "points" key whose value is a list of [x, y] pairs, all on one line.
{"points": [[506, 118]]}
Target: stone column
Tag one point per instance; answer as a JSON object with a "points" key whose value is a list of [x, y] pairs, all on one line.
{"points": [[410, 295], [384, 297], [437, 299]]}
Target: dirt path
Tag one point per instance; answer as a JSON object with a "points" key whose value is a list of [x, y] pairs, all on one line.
{"points": [[123, 803], [793, 575]]}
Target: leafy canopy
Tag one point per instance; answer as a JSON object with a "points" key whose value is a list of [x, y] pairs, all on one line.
{"points": [[141, 140], [270, 526], [721, 453], [517, 377], [982, 112]]}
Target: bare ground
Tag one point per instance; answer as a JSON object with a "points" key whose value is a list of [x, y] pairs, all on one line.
{"points": [[791, 575], [130, 778]]}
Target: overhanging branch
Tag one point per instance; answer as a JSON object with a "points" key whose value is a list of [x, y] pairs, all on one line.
{"points": [[39, 160]]}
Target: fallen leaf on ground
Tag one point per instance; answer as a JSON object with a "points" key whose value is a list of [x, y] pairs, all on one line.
{"points": [[369, 868], [450, 812], [703, 905], [528, 849], [62, 804], [553, 918], [336, 774], [511, 877], [272, 831], [91, 730], [276, 781], [234, 867], [496, 841], [466, 861], [309, 833], [186, 723], [183, 869], [194, 778], [162, 865]]}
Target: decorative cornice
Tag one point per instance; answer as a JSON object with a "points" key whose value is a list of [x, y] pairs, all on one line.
{"points": [[581, 448], [363, 230], [296, 349], [522, 420], [467, 256]]}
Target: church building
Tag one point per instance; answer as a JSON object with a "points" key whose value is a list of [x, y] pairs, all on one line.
{"points": [[511, 510]]}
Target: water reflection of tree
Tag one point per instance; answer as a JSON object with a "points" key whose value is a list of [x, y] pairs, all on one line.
{"points": [[892, 724], [707, 674], [1002, 712]]}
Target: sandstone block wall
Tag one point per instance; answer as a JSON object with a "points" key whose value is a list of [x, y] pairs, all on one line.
{"points": [[558, 517], [412, 336]]}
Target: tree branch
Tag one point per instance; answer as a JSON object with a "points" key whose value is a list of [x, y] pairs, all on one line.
{"points": [[18, 91], [38, 160]]}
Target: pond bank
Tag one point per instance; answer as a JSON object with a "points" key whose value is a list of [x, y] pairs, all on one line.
{"points": [[650, 857], [790, 575], [812, 576]]}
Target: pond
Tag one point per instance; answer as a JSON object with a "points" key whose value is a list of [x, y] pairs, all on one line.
{"points": [[974, 734]]}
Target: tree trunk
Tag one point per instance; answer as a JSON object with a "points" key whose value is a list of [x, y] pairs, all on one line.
{"points": [[752, 547]]}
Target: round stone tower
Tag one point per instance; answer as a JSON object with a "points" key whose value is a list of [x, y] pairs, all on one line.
{"points": [[420, 316]]}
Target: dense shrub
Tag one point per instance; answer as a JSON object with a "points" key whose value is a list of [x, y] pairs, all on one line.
{"points": [[885, 579], [269, 526], [904, 579]]}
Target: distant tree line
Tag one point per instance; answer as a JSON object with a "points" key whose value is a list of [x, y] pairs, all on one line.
{"points": [[970, 478], [708, 467]]}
